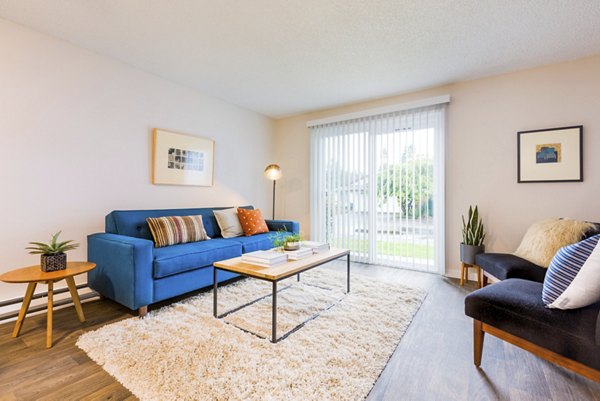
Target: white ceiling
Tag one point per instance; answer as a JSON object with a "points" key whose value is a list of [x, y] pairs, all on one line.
{"points": [[284, 57]]}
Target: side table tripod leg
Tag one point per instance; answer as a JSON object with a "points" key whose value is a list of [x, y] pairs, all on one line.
{"points": [[50, 312], [75, 297], [24, 307]]}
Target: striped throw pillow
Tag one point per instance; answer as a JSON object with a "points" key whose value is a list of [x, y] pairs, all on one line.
{"points": [[572, 270], [171, 230]]}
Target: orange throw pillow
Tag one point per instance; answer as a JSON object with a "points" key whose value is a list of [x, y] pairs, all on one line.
{"points": [[252, 221]]}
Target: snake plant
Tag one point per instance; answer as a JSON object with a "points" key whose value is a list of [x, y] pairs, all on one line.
{"points": [[473, 231], [52, 248]]}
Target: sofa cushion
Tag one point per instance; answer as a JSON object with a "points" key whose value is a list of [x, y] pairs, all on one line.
{"points": [[593, 230], [252, 222], [258, 242], [229, 222], [505, 265], [516, 307], [184, 257], [573, 278], [177, 284], [172, 230], [544, 238]]}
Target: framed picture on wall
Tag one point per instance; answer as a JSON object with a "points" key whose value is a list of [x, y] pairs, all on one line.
{"points": [[179, 159], [550, 155]]}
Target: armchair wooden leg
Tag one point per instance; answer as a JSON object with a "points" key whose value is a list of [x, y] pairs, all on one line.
{"points": [[462, 273], [478, 336], [479, 278], [142, 311], [485, 280]]}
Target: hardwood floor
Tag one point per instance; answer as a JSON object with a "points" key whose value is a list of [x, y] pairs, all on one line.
{"points": [[434, 360]]}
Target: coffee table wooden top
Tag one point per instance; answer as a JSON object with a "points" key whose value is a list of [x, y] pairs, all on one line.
{"points": [[278, 272], [34, 274]]}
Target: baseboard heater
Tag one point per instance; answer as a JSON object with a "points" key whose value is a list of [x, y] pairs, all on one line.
{"points": [[38, 308]]}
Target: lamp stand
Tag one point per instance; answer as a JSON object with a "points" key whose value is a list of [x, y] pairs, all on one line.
{"points": [[274, 181]]}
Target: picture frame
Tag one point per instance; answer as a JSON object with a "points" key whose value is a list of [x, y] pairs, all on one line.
{"points": [[181, 159], [550, 155]]}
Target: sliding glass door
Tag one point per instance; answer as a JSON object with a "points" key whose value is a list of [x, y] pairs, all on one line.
{"points": [[377, 187]]}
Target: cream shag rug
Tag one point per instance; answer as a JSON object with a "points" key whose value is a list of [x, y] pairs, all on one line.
{"points": [[181, 352]]}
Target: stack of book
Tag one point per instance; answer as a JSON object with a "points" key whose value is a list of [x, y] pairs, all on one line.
{"points": [[265, 258], [317, 247], [299, 254]]}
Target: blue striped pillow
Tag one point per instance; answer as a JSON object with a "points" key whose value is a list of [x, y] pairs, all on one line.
{"points": [[564, 267]]}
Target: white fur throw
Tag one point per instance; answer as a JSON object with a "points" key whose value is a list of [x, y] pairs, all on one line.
{"points": [[544, 238]]}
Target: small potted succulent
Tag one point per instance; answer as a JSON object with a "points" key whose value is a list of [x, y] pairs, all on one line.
{"points": [[53, 256], [287, 241], [473, 234]]}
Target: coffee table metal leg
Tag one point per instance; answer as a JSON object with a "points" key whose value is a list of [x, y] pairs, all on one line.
{"points": [[274, 317], [348, 277], [214, 291], [24, 307], [298, 276]]}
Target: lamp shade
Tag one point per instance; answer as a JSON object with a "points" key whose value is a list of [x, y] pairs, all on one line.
{"points": [[273, 172]]}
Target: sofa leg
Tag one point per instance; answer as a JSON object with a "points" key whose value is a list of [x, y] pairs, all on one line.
{"points": [[478, 336], [142, 311]]}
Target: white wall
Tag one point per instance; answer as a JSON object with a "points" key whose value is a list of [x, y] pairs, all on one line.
{"points": [[75, 143], [481, 151]]}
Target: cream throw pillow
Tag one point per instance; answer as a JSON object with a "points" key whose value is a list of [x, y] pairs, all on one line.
{"points": [[229, 223], [544, 238]]}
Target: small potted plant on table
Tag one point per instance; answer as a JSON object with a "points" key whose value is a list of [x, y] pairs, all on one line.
{"points": [[287, 241], [473, 235], [53, 256]]}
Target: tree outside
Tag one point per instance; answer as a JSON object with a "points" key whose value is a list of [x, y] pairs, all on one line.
{"points": [[410, 182]]}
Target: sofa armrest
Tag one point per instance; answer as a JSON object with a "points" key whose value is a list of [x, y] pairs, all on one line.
{"points": [[285, 225], [506, 265], [123, 270]]}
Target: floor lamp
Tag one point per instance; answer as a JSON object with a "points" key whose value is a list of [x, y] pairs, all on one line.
{"points": [[273, 172]]}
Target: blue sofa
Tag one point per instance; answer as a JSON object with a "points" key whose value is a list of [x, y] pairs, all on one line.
{"points": [[132, 272]]}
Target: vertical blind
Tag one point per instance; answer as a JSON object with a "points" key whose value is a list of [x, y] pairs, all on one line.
{"points": [[377, 187]]}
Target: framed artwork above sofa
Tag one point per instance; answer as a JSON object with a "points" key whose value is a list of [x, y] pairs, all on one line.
{"points": [[180, 159], [550, 155]]}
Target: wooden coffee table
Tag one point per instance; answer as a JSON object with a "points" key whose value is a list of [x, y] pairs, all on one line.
{"points": [[274, 275], [33, 275]]}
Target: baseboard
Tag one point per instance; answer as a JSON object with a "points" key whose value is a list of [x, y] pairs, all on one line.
{"points": [[9, 309], [452, 273]]}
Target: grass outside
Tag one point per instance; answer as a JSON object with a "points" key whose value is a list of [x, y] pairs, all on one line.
{"points": [[389, 248]]}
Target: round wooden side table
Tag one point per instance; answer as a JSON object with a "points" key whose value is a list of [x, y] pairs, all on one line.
{"points": [[34, 275]]}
